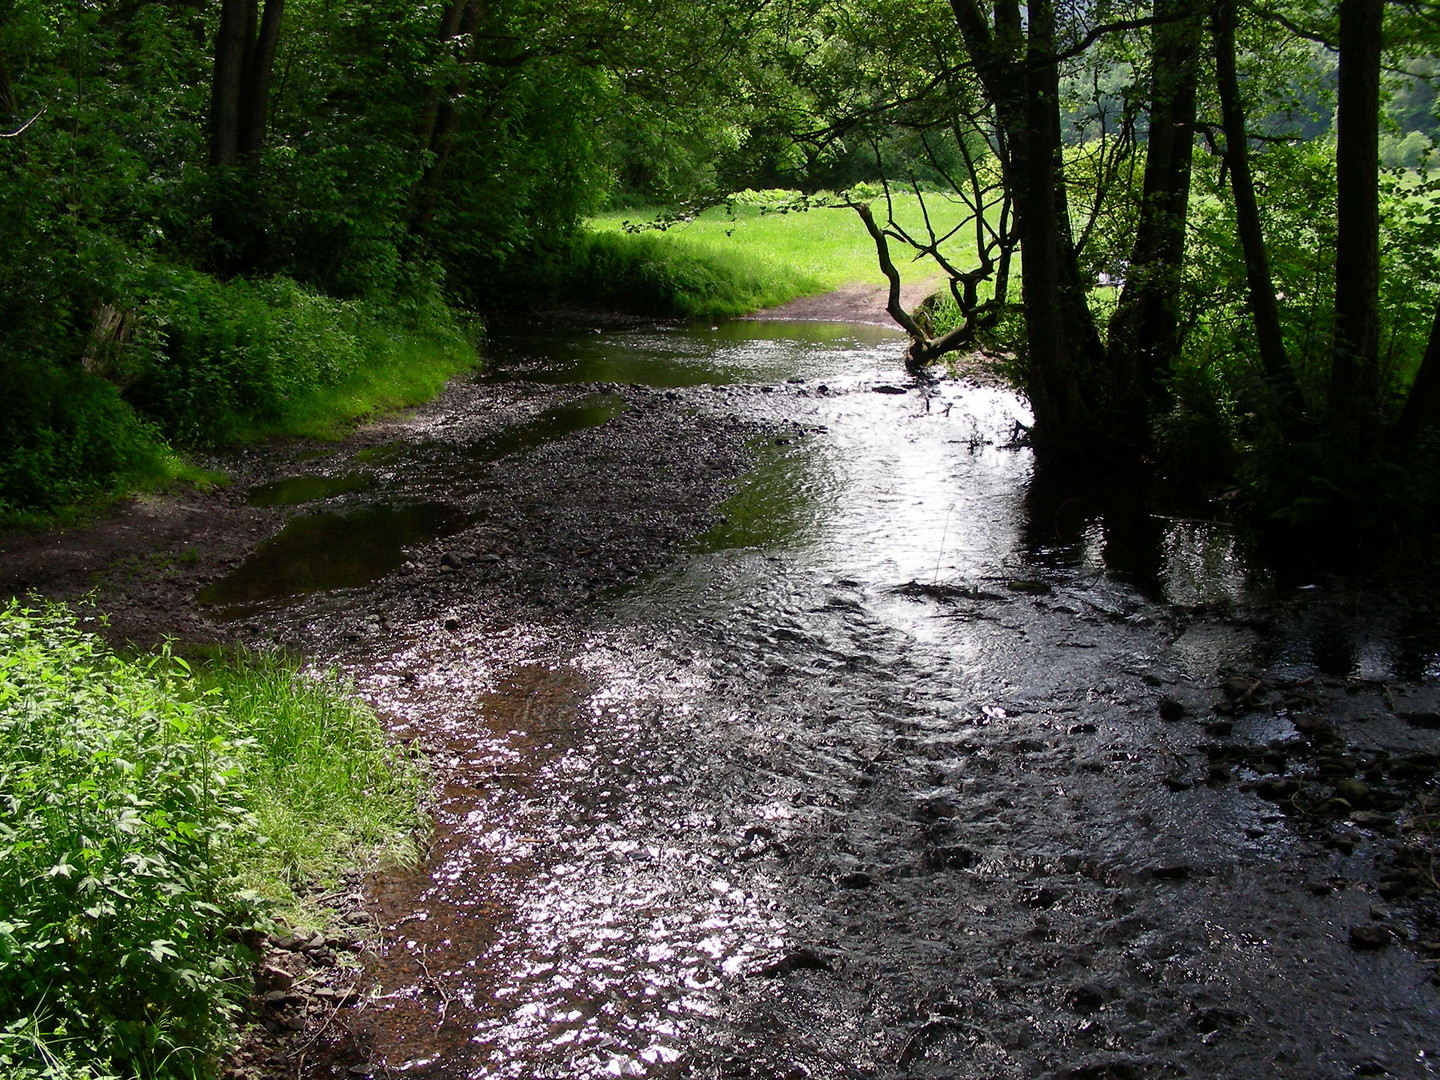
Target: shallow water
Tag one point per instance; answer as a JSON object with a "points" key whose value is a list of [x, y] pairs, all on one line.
{"points": [[343, 549], [331, 550], [868, 782]]}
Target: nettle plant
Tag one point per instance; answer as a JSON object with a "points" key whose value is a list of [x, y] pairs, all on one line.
{"points": [[120, 810]]}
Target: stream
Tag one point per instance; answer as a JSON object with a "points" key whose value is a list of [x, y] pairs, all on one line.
{"points": [[900, 766]]}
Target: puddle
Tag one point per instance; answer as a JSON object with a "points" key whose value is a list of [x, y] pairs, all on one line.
{"points": [[550, 425], [294, 490], [332, 551]]}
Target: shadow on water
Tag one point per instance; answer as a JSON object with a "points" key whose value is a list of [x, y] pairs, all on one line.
{"points": [[332, 551], [1320, 622], [1113, 525]]}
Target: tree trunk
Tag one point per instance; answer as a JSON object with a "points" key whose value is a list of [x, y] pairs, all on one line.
{"points": [[430, 115], [229, 74], [1016, 65], [245, 46], [1142, 332], [7, 96], [1065, 423], [1354, 371], [1422, 407], [255, 85], [1261, 287], [440, 122]]}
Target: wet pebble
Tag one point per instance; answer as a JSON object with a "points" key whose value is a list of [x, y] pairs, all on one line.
{"points": [[1171, 709], [1370, 936]]}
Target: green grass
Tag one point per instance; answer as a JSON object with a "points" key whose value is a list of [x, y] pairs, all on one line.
{"points": [[405, 369], [327, 793], [804, 252], [652, 274], [209, 363], [152, 819]]}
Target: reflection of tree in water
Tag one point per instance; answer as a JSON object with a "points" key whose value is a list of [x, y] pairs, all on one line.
{"points": [[1168, 551], [1063, 512], [1347, 631]]}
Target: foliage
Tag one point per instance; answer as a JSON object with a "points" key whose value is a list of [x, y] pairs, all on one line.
{"points": [[327, 793], [213, 359], [123, 813], [67, 438], [148, 816]]}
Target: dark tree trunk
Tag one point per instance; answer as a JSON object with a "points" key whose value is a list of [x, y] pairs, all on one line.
{"points": [[1057, 334], [1016, 65], [229, 75], [430, 115], [245, 46], [440, 121], [1261, 287], [255, 85], [1422, 407], [1142, 332], [1354, 372]]}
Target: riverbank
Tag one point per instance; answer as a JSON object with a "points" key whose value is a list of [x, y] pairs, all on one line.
{"points": [[982, 785]]}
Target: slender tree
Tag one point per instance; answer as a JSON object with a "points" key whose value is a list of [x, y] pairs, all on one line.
{"points": [[245, 46], [1354, 371], [440, 120], [1142, 338], [1422, 405], [1260, 286]]}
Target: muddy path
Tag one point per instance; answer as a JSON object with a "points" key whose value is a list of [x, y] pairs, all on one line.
{"points": [[783, 728]]}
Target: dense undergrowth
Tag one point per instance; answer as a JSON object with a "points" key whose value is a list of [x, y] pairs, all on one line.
{"points": [[101, 397], [152, 819]]}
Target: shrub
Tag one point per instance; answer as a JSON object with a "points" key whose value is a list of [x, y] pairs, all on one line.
{"points": [[149, 820], [66, 437], [120, 816]]}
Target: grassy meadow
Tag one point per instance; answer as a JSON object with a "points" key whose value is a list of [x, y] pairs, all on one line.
{"points": [[778, 255]]}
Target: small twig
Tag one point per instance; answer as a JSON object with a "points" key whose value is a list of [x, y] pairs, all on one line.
{"points": [[434, 984]]}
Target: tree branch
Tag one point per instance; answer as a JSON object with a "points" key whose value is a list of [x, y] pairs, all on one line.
{"points": [[21, 129]]}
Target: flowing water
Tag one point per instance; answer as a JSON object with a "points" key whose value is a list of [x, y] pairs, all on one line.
{"points": [[870, 779]]}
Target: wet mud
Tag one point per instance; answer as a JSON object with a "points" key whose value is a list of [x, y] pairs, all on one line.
{"points": [[783, 725]]}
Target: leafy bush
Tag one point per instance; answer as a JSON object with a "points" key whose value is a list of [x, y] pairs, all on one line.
{"points": [[66, 437], [149, 819], [121, 815], [212, 359]]}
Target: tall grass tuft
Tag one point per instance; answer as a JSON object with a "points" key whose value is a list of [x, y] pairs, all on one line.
{"points": [[660, 275], [326, 790]]}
